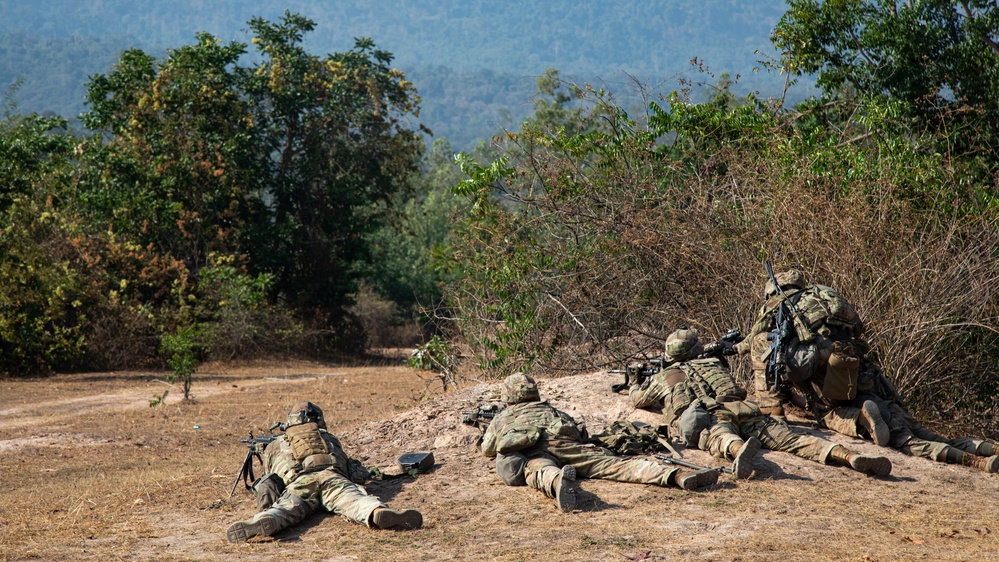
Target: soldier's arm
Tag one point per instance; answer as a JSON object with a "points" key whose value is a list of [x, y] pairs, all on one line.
{"points": [[651, 393], [489, 437]]}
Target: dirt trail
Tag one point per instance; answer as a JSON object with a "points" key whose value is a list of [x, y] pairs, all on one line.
{"points": [[92, 472]]}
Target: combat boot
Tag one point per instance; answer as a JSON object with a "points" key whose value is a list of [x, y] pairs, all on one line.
{"points": [[384, 518], [985, 464], [743, 453], [565, 489], [694, 479], [259, 526], [870, 419], [878, 466]]}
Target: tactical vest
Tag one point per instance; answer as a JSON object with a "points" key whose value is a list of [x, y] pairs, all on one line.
{"points": [[706, 380]]}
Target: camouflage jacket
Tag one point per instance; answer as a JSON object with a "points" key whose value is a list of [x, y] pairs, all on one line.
{"points": [[679, 384], [540, 420]]}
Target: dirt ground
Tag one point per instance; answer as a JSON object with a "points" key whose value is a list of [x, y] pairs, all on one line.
{"points": [[89, 471]]}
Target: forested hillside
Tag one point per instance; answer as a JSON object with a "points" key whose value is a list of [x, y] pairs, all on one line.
{"points": [[474, 63], [230, 194]]}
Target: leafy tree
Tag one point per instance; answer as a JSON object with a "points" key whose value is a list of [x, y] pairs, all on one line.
{"points": [[338, 151], [939, 58], [286, 165]]}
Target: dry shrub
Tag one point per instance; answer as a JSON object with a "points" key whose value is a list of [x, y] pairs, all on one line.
{"points": [[596, 255]]}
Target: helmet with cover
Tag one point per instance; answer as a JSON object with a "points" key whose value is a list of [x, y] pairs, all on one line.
{"points": [[790, 279], [305, 412], [682, 345], [518, 388]]}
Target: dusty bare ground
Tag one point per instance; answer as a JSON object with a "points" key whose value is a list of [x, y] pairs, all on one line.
{"points": [[89, 471]]}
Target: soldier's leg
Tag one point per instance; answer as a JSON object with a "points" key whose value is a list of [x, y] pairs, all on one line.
{"points": [[345, 498], [861, 421], [723, 440], [776, 436], [542, 472], [289, 509], [595, 462], [903, 438], [953, 455]]}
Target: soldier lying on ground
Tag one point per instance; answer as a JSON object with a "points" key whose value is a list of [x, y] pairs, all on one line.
{"points": [[824, 358], [705, 408], [307, 469], [538, 446]]}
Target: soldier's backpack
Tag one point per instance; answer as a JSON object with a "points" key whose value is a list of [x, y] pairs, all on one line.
{"points": [[628, 438], [828, 313]]}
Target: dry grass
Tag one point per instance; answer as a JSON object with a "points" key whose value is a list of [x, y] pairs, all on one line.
{"points": [[91, 472]]}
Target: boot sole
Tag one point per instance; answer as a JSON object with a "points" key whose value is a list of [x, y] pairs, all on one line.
{"points": [[878, 466], [698, 479], [874, 424], [742, 465], [242, 531], [393, 519], [565, 494]]}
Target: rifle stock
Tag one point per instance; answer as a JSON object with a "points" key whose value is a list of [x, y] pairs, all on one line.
{"points": [[678, 462]]}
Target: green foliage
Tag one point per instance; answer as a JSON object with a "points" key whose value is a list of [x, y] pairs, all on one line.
{"points": [[288, 164], [400, 266], [939, 58], [439, 355], [181, 350]]}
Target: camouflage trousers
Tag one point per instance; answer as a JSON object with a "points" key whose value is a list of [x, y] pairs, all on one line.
{"points": [[907, 435], [732, 427], [325, 489], [542, 466]]}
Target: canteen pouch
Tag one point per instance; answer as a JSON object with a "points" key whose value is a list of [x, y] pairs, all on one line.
{"points": [[842, 373]]}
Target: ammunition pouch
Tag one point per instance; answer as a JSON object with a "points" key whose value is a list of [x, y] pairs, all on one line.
{"points": [[308, 447]]}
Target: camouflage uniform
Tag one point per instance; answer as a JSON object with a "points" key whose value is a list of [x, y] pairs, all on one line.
{"points": [[319, 478], [705, 408], [541, 447], [844, 389]]}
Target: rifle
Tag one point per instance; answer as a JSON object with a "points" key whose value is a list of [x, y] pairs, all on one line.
{"points": [[254, 445], [724, 345], [678, 462], [639, 372], [482, 416], [788, 316]]}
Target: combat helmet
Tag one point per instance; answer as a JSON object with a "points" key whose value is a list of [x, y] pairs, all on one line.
{"points": [[682, 345], [305, 412], [518, 388], [790, 279]]}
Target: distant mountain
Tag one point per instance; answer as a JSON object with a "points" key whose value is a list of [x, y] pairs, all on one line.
{"points": [[474, 62]]}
